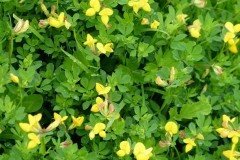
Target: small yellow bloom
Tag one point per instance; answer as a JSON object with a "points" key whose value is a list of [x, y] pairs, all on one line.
{"points": [[14, 78], [33, 125], [141, 153], [232, 28], [53, 125], [91, 135], [154, 24], [59, 21], [223, 132], [171, 127], [181, 18], [233, 45], [195, 29], [138, 4], [103, 49], [190, 143], [144, 21], [105, 13], [57, 116], [34, 140], [109, 47], [124, 149], [228, 36], [95, 7], [231, 154], [98, 129], [90, 41], [77, 122], [101, 89], [99, 104]]}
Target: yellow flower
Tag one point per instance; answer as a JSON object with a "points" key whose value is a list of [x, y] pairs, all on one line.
{"points": [[124, 149], [195, 29], [181, 18], [14, 78], [138, 4], [231, 154], [98, 129], [95, 7], [34, 140], [58, 120], [59, 21], [232, 28], [144, 21], [106, 48], [99, 104], [33, 125], [228, 36], [190, 143], [223, 132], [77, 122], [233, 45], [105, 13], [57, 116], [141, 153], [171, 127], [154, 24], [90, 41], [101, 89]]}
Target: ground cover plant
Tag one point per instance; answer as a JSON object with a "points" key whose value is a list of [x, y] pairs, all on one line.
{"points": [[119, 79]]}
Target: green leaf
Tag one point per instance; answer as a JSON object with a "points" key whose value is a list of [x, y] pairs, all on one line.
{"points": [[32, 103], [194, 109]]}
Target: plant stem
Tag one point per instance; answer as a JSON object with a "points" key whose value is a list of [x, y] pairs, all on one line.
{"points": [[177, 153]]}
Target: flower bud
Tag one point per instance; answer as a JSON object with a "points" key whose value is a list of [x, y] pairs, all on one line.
{"points": [[65, 144], [206, 72], [200, 3], [160, 82], [172, 75], [87, 127], [204, 88], [14, 78], [43, 23], [217, 69], [144, 21], [44, 9], [91, 135], [111, 108], [18, 26]]}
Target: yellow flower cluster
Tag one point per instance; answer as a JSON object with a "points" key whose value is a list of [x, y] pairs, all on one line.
{"points": [[53, 19], [140, 152], [102, 49], [230, 36], [195, 28], [104, 13], [153, 25], [35, 130], [230, 132], [138, 4]]}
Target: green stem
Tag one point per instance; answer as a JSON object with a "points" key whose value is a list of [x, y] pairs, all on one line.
{"points": [[143, 96], [10, 49], [42, 149], [177, 153]]}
